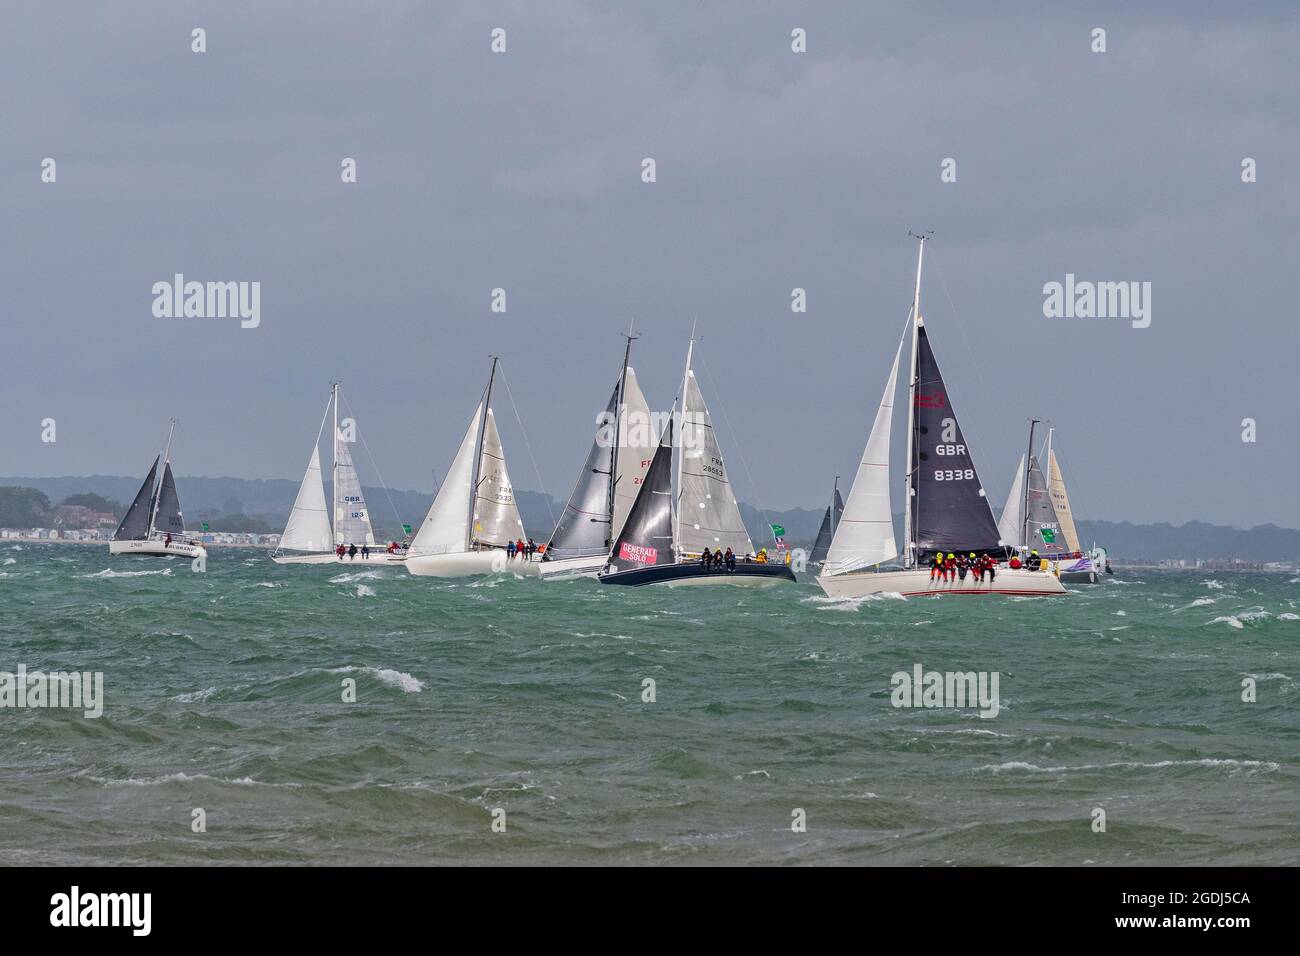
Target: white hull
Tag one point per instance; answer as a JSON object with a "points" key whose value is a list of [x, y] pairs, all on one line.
{"points": [[917, 583], [380, 557], [466, 564], [568, 569], [154, 547]]}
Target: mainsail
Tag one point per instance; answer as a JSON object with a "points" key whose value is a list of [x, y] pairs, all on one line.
{"points": [[1061, 502], [1041, 527], [496, 516], [636, 446], [830, 521], [168, 518], [584, 527], [647, 536], [445, 529], [866, 532], [308, 528], [135, 524], [707, 513], [949, 510], [351, 517], [1011, 522]]}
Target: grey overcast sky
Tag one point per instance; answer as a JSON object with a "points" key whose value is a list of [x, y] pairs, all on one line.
{"points": [[775, 170]]}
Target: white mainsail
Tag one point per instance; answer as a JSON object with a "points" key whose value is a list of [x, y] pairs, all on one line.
{"points": [[865, 535], [445, 529], [308, 528], [1012, 520], [637, 443], [496, 516], [707, 513], [351, 517], [1061, 502]]}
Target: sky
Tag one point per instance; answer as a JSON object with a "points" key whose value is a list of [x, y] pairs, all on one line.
{"points": [[774, 170]]}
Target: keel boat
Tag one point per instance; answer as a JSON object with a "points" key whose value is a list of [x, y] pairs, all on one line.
{"points": [[154, 525]]}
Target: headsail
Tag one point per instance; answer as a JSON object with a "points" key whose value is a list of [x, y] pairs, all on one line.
{"points": [[135, 524], [866, 532], [496, 516], [168, 518], [1011, 522], [647, 536], [830, 521], [445, 529], [308, 528], [1041, 527], [1061, 502], [351, 516], [707, 513], [636, 446], [949, 509]]}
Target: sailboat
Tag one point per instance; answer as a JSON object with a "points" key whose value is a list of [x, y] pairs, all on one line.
{"points": [[474, 515], [947, 510], [1038, 517], [308, 533], [607, 486], [662, 544], [154, 525], [830, 521]]}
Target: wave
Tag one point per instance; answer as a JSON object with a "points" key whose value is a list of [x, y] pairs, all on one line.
{"points": [[364, 591], [357, 576], [11, 560], [1266, 765], [1214, 585], [110, 573], [385, 675], [828, 603], [1239, 621]]}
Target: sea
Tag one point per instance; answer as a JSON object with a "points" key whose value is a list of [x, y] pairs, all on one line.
{"points": [[336, 715]]}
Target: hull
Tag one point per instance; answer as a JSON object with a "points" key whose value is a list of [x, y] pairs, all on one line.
{"points": [[380, 557], [691, 574], [917, 583], [155, 548], [568, 569], [467, 564], [1085, 570]]}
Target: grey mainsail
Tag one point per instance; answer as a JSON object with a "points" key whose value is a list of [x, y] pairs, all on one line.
{"points": [[949, 510], [647, 535], [584, 527], [135, 524], [830, 521], [168, 518], [351, 516], [1042, 529]]}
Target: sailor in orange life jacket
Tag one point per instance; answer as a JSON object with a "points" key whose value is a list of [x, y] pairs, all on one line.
{"points": [[936, 569]]}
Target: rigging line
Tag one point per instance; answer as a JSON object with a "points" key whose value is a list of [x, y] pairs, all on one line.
{"points": [[971, 355], [740, 451], [522, 431], [382, 484]]}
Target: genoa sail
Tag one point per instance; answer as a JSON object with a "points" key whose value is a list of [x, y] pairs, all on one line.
{"points": [[168, 518], [496, 516], [830, 521], [708, 515], [637, 439], [1012, 518], [949, 510], [1061, 502], [866, 532], [308, 528], [135, 524], [445, 529], [646, 538]]}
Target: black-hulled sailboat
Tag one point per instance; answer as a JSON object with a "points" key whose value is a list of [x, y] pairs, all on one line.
{"points": [[947, 510], [154, 525], [663, 544], [830, 521]]}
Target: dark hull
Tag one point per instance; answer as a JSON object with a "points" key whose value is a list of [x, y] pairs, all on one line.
{"points": [[692, 573]]}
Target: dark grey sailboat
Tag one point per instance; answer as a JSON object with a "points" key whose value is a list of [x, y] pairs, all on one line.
{"points": [[830, 521]]}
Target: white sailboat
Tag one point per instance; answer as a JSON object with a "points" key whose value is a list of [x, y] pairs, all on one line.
{"points": [[474, 516], [659, 544], [607, 486], [154, 525], [308, 537], [947, 510]]}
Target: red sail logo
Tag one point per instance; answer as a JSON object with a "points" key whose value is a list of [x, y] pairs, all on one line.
{"points": [[637, 554], [933, 400]]}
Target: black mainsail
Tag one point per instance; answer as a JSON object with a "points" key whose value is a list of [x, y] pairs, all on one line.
{"points": [[949, 510], [830, 521], [647, 535], [135, 525], [168, 518]]}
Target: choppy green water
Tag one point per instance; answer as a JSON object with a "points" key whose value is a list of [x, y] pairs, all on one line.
{"points": [[224, 692]]}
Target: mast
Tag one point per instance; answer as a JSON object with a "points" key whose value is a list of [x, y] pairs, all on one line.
{"points": [[835, 492], [909, 545], [1024, 504], [334, 465], [167, 457], [613, 451], [677, 518], [478, 453]]}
